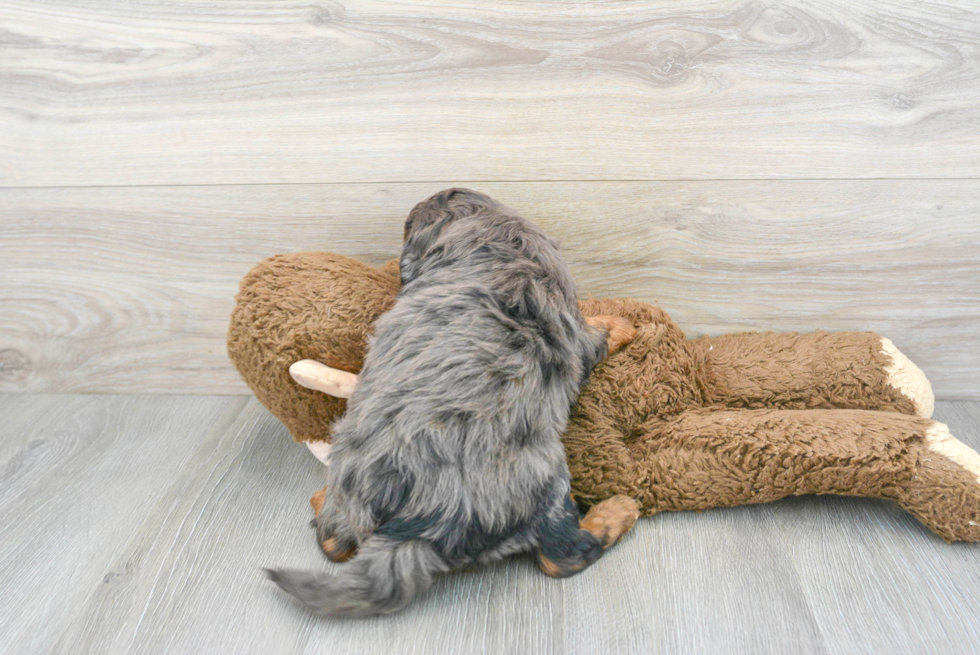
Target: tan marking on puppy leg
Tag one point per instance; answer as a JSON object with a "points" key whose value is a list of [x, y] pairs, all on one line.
{"points": [[619, 331], [314, 375], [611, 519], [940, 441], [547, 566], [335, 553], [559, 570], [316, 501], [909, 379], [320, 450]]}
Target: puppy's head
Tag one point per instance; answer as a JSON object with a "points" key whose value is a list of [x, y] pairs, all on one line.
{"points": [[430, 217]]}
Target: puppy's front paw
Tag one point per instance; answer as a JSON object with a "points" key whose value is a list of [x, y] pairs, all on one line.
{"points": [[619, 331]]}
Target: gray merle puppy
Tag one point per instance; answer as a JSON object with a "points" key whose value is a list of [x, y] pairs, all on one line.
{"points": [[450, 451]]}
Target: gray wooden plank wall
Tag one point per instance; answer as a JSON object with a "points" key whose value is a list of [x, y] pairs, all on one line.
{"points": [[139, 524], [751, 166], [107, 92]]}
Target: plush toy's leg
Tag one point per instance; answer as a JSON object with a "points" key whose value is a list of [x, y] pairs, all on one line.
{"points": [[703, 459], [844, 370], [569, 545]]}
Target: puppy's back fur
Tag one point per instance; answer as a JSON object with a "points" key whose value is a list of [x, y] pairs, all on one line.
{"points": [[450, 451]]}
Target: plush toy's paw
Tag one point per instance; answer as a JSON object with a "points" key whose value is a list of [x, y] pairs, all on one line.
{"points": [[619, 331], [909, 379], [945, 490], [611, 519], [942, 442], [316, 502]]}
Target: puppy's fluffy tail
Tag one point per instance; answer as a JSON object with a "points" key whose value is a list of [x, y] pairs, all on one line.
{"points": [[383, 578]]}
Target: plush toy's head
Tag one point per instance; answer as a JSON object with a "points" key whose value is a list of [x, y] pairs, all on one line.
{"points": [[306, 306]]}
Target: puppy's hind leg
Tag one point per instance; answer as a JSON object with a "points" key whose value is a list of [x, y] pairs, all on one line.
{"points": [[569, 545], [333, 532]]}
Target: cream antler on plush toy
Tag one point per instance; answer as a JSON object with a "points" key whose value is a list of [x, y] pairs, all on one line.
{"points": [[676, 424]]}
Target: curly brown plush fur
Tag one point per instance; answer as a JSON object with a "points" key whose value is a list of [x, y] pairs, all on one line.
{"points": [[675, 423]]}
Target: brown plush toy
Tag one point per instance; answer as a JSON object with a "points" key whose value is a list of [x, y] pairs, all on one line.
{"points": [[676, 424]]}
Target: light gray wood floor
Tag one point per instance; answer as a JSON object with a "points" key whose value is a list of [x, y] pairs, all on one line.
{"points": [[137, 524]]}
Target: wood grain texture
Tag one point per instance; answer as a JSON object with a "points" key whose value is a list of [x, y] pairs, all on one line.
{"points": [[129, 290], [861, 558], [84, 473], [109, 92], [138, 524]]}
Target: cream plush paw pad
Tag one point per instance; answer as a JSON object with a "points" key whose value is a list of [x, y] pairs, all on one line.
{"points": [[909, 380], [942, 442]]}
